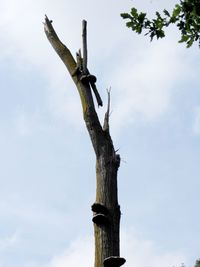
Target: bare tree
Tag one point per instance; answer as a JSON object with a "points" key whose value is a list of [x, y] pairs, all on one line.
{"points": [[106, 210]]}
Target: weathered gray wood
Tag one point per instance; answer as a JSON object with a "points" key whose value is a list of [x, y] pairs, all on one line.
{"points": [[106, 209], [107, 114], [84, 36]]}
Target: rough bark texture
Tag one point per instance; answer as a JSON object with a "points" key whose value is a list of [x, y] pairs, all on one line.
{"points": [[106, 210]]}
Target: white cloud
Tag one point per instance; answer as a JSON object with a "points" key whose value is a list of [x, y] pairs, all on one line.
{"points": [[196, 122], [138, 252], [145, 85], [141, 253], [80, 253], [9, 241], [32, 214], [23, 124]]}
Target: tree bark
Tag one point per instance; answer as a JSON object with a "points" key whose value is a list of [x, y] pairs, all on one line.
{"points": [[106, 210]]}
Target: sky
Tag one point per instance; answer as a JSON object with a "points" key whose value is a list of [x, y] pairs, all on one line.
{"points": [[47, 174]]}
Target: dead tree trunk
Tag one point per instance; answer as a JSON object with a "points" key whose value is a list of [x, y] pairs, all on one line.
{"points": [[106, 210]]}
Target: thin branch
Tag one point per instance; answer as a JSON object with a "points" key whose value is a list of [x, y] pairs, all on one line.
{"points": [[84, 36], [107, 114], [97, 95], [87, 77]]}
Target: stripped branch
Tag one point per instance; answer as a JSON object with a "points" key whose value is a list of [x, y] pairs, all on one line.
{"points": [[107, 114], [86, 76], [84, 36]]}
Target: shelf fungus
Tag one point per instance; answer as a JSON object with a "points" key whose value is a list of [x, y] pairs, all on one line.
{"points": [[99, 208], [100, 219], [88, 78], [114, 261], [100, 214]]}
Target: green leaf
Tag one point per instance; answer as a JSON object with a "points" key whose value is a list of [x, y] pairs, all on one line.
{"points": [[184, 38], [186, 16], [160, 34], [130, 24], [166, 12], [147, 24], [152, 34], [190, 43], [176, 11], [139, 29], [125, 16], [134, 12], [141, 17], [181, 25], [158, 14]]}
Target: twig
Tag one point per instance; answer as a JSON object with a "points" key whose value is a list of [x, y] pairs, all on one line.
{"points": [[107, 114], [84, 36]]}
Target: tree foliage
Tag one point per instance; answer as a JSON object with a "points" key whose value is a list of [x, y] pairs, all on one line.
{"points": [[185, 15], [197, 263]]}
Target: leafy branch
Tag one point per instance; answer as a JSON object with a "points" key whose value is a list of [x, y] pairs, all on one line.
{"points": [[186, 16]]}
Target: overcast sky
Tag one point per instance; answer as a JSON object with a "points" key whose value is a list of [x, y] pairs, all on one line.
{"points": [[47, 173]]}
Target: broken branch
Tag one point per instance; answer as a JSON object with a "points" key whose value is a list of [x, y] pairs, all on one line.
{"points": [[107, 114], [84, 36]]}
